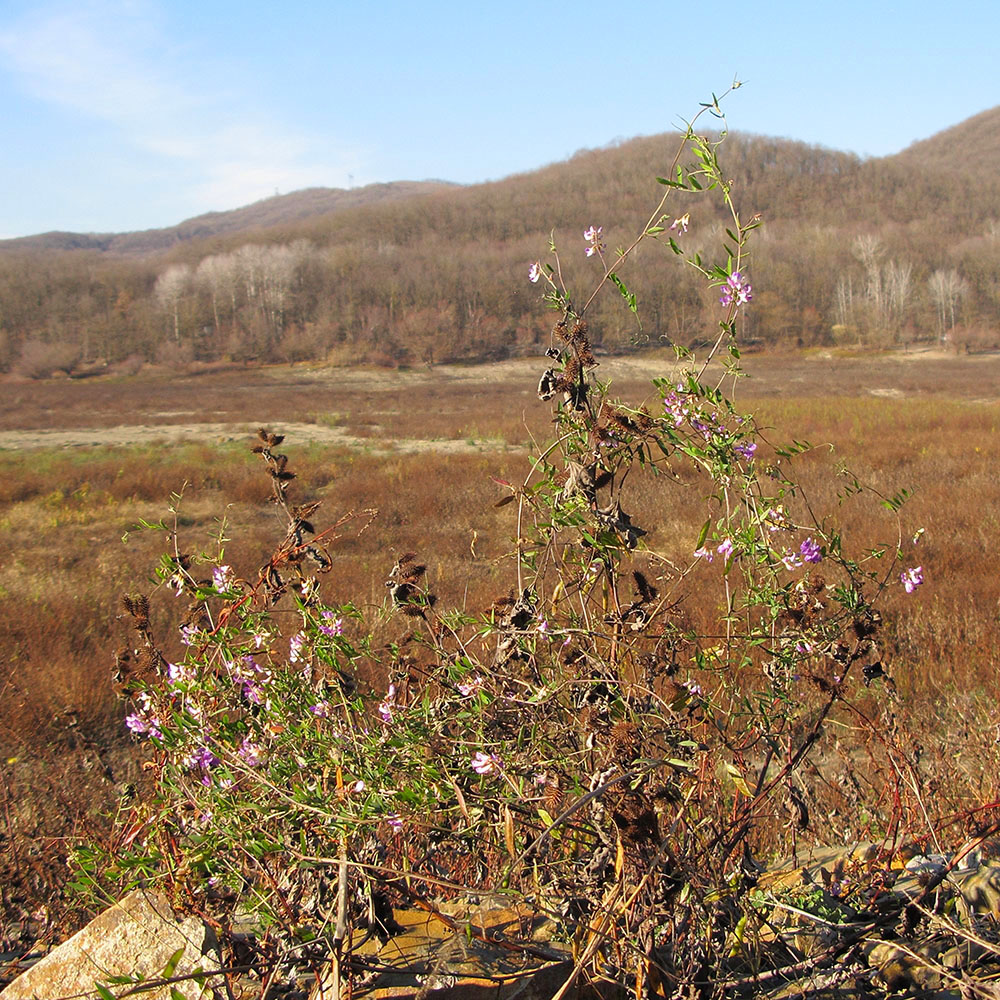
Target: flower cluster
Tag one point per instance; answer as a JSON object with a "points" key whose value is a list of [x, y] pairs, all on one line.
{"points": [[680, 225], [251, 678], [736, 289], [593, 236], [483, 763], [680, 409], [912, 578], [144, 721], [331, 625], [385, 709], [223, 579]]}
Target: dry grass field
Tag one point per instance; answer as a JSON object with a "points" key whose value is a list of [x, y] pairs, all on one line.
{"points": [[83, 462]]}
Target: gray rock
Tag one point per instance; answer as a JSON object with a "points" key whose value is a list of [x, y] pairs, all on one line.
{"points": [[135, 937]]}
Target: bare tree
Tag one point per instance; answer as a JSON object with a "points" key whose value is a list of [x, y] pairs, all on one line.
{"points": [[946, 288], [898, 285], [170, 288], [219, 273]]}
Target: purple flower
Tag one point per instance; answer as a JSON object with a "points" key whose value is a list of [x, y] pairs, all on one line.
{"points": [[321, 709], [912, 578], [736, 290], [470, 687], [535, 272], [189, 634], [144, 722], [223, 578], [725, 549], [483, 763], [143, 725], [253, 692], [745, 448], [178, 673], [810, 551], [203, 757], [295, 645], [394, 821], [205, 760], [333, 626], [543, 626], [250, 753], [777, 519], [703, 553]]}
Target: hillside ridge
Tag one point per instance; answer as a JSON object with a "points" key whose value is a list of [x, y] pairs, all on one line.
{"points": [[282, 209]]}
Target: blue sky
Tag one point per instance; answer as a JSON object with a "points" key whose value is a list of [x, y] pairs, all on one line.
{"points": [[131, 114]]}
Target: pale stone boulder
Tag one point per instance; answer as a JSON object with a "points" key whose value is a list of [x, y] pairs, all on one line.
{"points": [[136, 936]]}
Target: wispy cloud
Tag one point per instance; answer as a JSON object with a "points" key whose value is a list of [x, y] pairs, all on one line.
{"points": [[113, 61]]}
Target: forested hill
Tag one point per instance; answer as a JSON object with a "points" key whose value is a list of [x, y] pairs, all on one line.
{"points": [[875, 251], [275, 211]]}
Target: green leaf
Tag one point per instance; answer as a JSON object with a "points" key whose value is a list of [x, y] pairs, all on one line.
{"points": [[626, 294], [175, 994], [897, 500], [104, 992], [703, 534]]}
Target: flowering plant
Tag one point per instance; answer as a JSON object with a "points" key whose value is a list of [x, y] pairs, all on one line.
{"points": [[583, 745]]}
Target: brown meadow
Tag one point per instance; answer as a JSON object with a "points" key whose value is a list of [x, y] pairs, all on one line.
{"points": [[423, 448]]}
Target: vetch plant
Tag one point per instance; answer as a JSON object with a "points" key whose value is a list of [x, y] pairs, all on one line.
{"points": [[583, 747]]}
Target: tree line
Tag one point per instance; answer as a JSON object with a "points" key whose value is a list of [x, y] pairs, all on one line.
{"points": [[852, 251]]}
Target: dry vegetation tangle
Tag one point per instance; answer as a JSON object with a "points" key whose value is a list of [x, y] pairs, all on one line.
{"points": [[387, 441]]}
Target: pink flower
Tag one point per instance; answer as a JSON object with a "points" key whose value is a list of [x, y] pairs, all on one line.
{"points": [[535, 272], [593, 236], [681, 224], [250, 752], [790, 560], [333, 625], [736, 289], [387, 705], [912, 578], [483, 763], [704, 553], [470, 687], [725, 549]]}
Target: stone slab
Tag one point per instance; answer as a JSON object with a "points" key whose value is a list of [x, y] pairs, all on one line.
{"points": [[136, 936]]}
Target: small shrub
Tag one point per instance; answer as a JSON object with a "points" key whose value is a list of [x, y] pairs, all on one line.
{"points": [[587, 744], [40, 358]]}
